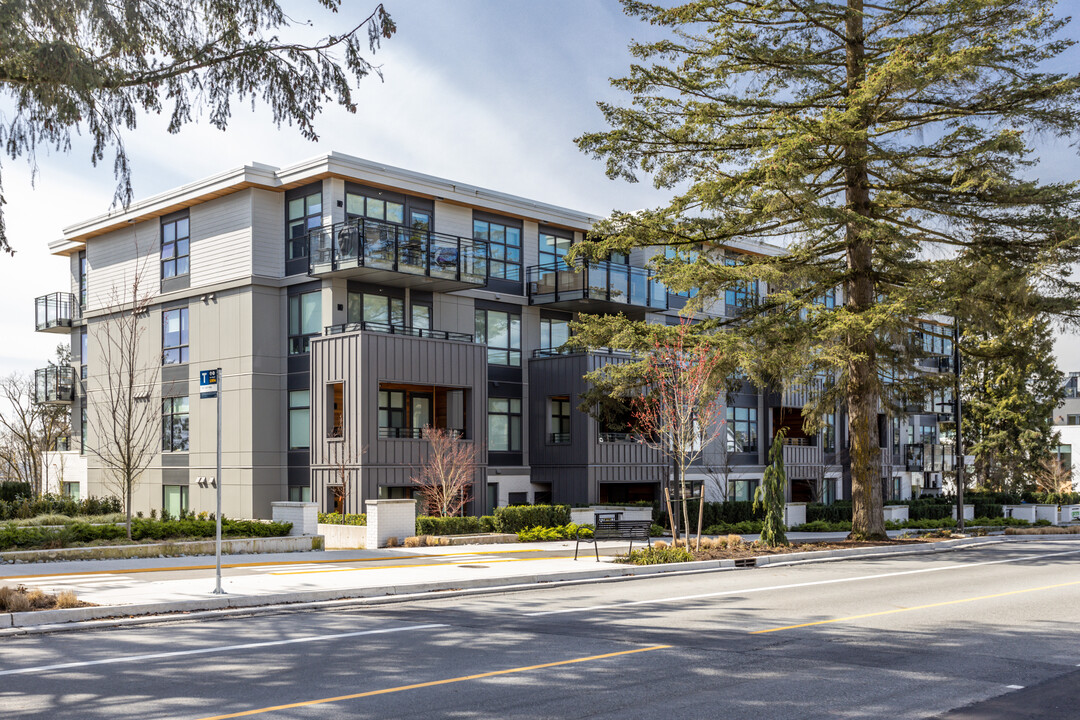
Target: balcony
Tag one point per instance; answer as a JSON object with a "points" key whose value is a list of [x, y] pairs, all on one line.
{"points": [[390, 329], [398, 256], [928, 457], [595, 287], [55, 312], [54, 385]]}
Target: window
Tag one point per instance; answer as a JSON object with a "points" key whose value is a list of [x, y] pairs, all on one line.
{"points": [[517, 498], [335, 407], [175, 248], [553, 333], [82, 279], [174, 336], [305, 320], [304, 214], [504, 424], [742, 490], [1064, 456], [553, 249], [420, 317], [174, 499], [405, 410], [501, 332], [371, 308], [82, 430], [928, 434], [174, 424], [896, 436], [741, 429], [299, 493], [743, 294], [71, 490], [299, 419], [828, 433], [84, 346], [374, 208], [559, 419], [1073, 420], [504, 248], [391, 412], [687, 255]]}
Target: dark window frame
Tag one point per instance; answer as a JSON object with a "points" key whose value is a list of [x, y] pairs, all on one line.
{"points": [[511, 415], [498, 251], [296, 242], [511, 351], [559, 412], [173, 246], [750, 432], [306, 408], [182, 348], [175, 425], [299, 342]]}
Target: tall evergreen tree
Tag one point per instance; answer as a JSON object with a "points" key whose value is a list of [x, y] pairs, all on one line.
{"points": [[876, 141]]}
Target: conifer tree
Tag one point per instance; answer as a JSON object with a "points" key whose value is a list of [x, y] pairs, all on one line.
{"points": [[875, 141], [770, 495]]}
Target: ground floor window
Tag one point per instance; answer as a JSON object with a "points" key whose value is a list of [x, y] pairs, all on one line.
{"points": [[299, 493], [897, 488], [174, 499], [71, 490], [517, 498], [394, 492], [742, 490]]}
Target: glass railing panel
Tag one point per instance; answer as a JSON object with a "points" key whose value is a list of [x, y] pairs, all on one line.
{"points": [[474, 261], [571, 282], [347, 244], [321, 249], [445, 257], [657, 295], [598, 281], [379, 245], [413, 252], [619, 290], [639, 287]]}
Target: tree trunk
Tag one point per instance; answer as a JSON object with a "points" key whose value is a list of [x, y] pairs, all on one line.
{"points": [[867, 519], [685, 505], [127, 507]]}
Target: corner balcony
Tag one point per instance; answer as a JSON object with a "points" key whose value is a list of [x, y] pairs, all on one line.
{"points": [[398, 256], [54, 385], [55, 312], [600, 287]]}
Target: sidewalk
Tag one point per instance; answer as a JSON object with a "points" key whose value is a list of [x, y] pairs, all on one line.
{"points": [[142, 587]]}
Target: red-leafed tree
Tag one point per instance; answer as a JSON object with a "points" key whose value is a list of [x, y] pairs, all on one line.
{"points": [[445, 480], [681, 409]]}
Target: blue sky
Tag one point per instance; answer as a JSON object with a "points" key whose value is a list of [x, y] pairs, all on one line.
{"points": [[488, 92]]}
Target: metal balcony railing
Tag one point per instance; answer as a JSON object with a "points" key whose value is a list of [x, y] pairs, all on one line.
{"points": [[411, 433], [613, 437], [55, 312], [591, 280], [54, 385], [380, 245], [391, 329], [559, 438]]}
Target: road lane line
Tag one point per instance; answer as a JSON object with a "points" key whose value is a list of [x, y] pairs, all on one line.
{"points": [[434, 683], [418, 565], [790, 586], [263, 564], [210, 650], [915, 607]]}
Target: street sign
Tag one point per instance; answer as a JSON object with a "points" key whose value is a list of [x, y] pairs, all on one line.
{"points": [[208, 383]]}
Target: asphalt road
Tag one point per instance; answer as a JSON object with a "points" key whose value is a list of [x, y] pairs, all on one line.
{"points": [[986, 634]]}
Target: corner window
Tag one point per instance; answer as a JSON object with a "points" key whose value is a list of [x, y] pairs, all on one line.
{"points": [[299, 419], [303, 214], [553, 333], [501, 332], [174, 336], [742, 429], [174, 424], [175, 248], [305, 320], [504, 424], [504, 248], [335, 410], [559, 419]]}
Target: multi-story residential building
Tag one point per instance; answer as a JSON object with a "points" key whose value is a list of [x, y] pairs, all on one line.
{"points": [[1067, 424], [350, 305]]}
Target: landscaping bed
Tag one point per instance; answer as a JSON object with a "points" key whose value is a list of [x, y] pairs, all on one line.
{"points": [[20, 599], [145, 531], [734, 548]]}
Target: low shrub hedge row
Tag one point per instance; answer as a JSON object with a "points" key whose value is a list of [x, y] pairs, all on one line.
{"points": [[746, 527], [13, 537], [339, 519], [563, 532], [522, 517], [23, 508]]}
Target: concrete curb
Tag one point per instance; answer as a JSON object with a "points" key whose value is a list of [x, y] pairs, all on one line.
{"points": [[44, 621]]}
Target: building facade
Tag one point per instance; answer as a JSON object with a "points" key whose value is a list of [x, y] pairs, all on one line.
{"points": [[350, 305]]}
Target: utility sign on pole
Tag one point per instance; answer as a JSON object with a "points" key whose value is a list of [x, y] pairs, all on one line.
{"points": [[208, 383]]}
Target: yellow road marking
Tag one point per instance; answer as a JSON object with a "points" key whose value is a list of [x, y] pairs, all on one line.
{"points": [[434, 683], [916, 607], [417, 565], [263, 564]]}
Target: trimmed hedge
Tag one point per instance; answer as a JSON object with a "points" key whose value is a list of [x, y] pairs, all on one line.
{"points": [[339, 519], [564, 532], [746, 527], [729, 512], [466, 525], [10, 490], [14, 537], [516, 518], [25, 508]]}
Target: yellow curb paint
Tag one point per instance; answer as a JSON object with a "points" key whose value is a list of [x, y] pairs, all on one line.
{"points": [[434, 683], [418, 565], [916, 607]]}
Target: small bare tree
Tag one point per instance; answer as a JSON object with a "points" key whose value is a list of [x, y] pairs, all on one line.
{"points": [[122, 393], [445, 480], [1051, 476], [347, 472]]}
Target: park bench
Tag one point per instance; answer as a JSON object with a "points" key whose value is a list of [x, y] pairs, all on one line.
{"points": [[608, 526]]}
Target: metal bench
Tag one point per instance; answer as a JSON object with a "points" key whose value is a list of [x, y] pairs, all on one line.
{"points": [[609, 527]]}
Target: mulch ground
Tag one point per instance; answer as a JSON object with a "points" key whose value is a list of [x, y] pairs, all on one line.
{"points": [[746, 551]]}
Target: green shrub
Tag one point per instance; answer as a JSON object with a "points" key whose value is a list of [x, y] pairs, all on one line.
{"points": [[13, 537], [24, 508], [746, 527], [467, 525], [656, 556], [563, 532], [522, 517], [824, 526], [10, 490], [837, 512], [339, 519], [488, 523], [1043, 522], [657, 530], [729, 512]]}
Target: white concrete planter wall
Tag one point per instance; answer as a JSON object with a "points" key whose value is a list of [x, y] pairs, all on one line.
{"points": [[794, 514], [389, 519], [304, 516], [1069, 513], [1023, 512], [896, 513], [344, 537], [969, 512], [1047, 512], [586, 516]]}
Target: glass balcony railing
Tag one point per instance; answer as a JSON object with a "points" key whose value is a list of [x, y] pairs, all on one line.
{"points": [[54, 385], [928, 457], [391, 329], [55, 312], [595, 281], [378, 245]]}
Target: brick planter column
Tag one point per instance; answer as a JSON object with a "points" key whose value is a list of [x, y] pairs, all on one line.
{"points": [[389, 518], [304, 516]]}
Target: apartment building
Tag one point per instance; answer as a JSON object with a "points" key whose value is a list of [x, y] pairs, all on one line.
{"points": [[351, 304]]}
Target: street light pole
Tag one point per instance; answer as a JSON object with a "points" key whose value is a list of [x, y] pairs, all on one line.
{"points": [[958, 446], [217, 516]]}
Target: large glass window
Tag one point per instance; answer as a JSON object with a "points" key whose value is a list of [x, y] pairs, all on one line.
{"points": [[303, 215], [553, 333], [741, 295], [553, 248], [392, 413], [174, 336], [371, 308], [504, 424], [335, 410], [687, 255], [374, 208], [421, 317], [742, 429], [501, 332], [174, 499], [299, 419], [559, 409], [504, 248], [305, 320], [174, 424], [175, 248]]}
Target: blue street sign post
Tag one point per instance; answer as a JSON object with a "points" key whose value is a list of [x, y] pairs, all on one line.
{"points": [[210, 387]]}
